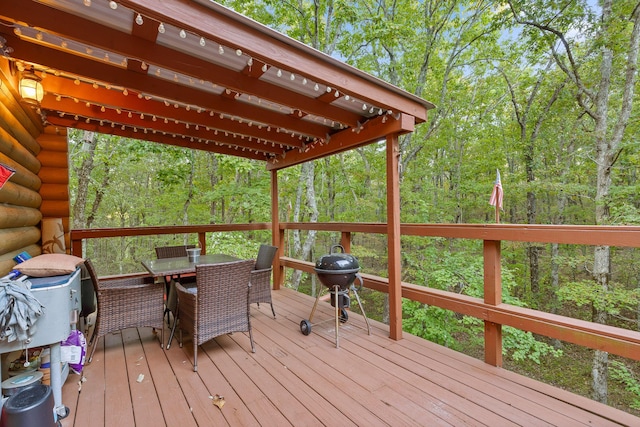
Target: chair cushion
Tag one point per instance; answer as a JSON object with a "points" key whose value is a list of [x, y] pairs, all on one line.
{"points": [[49, 265]]}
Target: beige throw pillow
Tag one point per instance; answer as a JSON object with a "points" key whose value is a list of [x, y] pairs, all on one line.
{"points": [[49, 265]]}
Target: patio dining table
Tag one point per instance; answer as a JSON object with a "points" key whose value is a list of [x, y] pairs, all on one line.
{"points": [[180, 266]]}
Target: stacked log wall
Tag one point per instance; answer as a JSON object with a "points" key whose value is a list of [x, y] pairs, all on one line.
{"points": [[54, 175], [20, 198]]}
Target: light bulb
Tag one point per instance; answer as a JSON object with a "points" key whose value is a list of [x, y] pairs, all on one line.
{"points": [[113, 5], [161, 28], [202, 41], [220, 50], [139, 20], [183, 34], [87, 3]]}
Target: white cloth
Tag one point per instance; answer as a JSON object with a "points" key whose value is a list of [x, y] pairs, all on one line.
{"points": [[19, 310]]}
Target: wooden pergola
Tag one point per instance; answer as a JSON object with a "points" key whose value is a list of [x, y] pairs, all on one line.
{"points": [[188, 73]]}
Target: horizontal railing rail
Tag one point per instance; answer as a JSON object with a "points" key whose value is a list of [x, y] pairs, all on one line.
{"points": [[78, 236], [491, 309]]}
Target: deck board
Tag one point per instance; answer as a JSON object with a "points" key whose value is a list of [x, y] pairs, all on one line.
{"points": [[294, 379]]}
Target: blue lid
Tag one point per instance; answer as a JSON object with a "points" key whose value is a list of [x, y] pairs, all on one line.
{"points": [[43, 282]]}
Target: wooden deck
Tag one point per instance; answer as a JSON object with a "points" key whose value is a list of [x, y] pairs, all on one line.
{"points": [[305, 381]]}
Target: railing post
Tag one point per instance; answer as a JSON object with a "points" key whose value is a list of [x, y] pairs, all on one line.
{"points": [[202, 242], [277, 235], [393, 237], [76, 247], [345, 241], [493, 296]]}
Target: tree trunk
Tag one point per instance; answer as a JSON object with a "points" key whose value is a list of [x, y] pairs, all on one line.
{"points": [[84, 178], [306, 186], [185, 208]]}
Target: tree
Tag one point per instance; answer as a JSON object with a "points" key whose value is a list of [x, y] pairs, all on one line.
{"points": [[606, 96]]}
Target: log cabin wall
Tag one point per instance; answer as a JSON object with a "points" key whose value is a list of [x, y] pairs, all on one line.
{"points": [[54, 190], [21, 134]]}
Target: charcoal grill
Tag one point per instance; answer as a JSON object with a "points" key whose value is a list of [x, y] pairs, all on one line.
{"points": [[337, 271]]}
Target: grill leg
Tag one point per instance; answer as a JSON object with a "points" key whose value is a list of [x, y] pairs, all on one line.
{"points": [[315, 305], [353, 289], [336, 289]]}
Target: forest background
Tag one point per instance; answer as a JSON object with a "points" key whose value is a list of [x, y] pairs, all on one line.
{"points": [[542, 90]]}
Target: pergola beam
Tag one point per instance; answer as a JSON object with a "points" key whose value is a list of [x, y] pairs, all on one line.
{"points": [[160, 88], [130, 46], [375, 129], [111, 99], [239, 32]]}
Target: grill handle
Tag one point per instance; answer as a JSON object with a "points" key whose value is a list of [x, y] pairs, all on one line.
{"points": [[336, 246], [358, 278]]}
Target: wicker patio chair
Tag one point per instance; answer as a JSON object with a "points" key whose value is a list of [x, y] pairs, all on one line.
{"points": [[171, 301], [218, 305], [126, 303], [261, 277], [173, 251]]}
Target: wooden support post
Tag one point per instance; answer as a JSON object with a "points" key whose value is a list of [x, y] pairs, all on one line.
{"points": [[345, 241], [202, 242], [393, 238], [493, 296], [76, 247], [277, 237]]}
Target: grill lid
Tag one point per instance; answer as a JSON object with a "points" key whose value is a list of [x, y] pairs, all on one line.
{"points": [[337, 262]]}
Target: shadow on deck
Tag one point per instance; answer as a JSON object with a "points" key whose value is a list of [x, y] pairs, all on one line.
{"points": [[305, 381]]}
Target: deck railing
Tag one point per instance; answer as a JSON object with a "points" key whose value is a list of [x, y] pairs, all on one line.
{"points": [[490, 309]]}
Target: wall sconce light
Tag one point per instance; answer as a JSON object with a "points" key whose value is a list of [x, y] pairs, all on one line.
{"points": [[31, 89]]}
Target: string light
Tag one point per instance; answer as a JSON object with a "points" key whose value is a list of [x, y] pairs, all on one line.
{"points": [[161, 28], [139, 20], [202, 42], [113, 5], [183, 34]]}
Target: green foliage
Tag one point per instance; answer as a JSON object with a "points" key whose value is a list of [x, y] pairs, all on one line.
{"points": [[620, 373], [456, 272], [432, 323], [586, 292]]}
